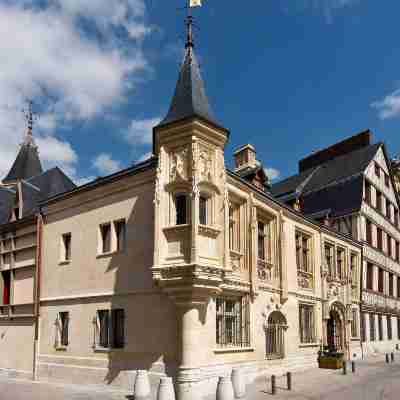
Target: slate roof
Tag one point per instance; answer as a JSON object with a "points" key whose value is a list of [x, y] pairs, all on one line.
{"points": [[336, 184], [190, 97], [26, 165]]}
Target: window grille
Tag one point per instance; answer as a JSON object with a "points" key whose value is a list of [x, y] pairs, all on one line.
{"points": [[233, 322], [306, 323]]}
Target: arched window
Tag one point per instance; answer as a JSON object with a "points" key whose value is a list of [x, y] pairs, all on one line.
{"points": [[275, 336]]}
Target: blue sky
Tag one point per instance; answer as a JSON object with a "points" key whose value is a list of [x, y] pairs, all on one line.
{"points": [[288, 76]]}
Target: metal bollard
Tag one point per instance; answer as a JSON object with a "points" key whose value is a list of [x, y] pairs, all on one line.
{"points": [[273, 384], [392, 357], [289, 380], [353, 367], [344, 368], [387, 358]]}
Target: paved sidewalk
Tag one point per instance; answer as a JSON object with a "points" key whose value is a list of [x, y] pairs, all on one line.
{"points": [[373, 380]]}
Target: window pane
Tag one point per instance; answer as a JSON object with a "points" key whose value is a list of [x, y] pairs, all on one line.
{"points": [[64, 320], [180, 205], [104, 327], [120, 232], [261, 241], [106, 237], [118, 323], [203, 210], [67, 246]]}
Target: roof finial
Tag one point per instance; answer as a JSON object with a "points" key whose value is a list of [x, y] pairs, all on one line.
{"points": [[189, 24], [30, 117]]}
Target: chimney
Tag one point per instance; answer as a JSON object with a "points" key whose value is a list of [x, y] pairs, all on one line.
{"points": [[245, 157]]}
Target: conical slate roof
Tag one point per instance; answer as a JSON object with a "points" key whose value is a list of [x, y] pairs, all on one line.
{"points": [[27, 163], [190, 97]]}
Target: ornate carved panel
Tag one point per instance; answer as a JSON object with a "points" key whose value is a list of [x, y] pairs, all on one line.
{"points": [[205, 164], [179, 165]]}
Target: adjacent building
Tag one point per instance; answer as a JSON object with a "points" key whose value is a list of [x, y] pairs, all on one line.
{"points": [[351, 186]]}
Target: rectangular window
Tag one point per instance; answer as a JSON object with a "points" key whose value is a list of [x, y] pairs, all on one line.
{"points": [[391, 283], [377, 170], [379, 235], [368, 193], [105, 232], [387, 180], [388, 210], [354, 274], [398, 328], [363, 327], [379, 201], [261, 241], [118, 327], [232, 322], [354, 323], [389, 245], [380, 327], [368, 235], [306, 323], [396, 217], [372, 327], [370, 276], [103, 317], [389, 327], [397, 251], [6, 286], [341, 273], [203, 210], [120, 234], [64, 322], [66, 247], [329, 260], [234, 228], [381, 275], [303, 252], [181, 209]]}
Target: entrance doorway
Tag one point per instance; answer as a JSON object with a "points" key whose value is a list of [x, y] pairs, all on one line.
{"points": [[335, 331], [275, 336]]}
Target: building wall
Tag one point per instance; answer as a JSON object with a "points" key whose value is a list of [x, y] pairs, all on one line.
{"points": [[90, 281]]}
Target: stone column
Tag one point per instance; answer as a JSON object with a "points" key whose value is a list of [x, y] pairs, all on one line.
{"points": [[191, 351]]}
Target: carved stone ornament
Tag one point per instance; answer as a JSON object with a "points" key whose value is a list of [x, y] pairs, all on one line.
{"points": [[333, 291], [205, 165], [157, 188], [179, 165]]}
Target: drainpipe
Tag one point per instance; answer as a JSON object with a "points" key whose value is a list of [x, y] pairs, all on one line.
{"points": [[39, 233], [362, 325]]}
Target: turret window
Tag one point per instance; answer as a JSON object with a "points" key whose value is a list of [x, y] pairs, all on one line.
{"points": [[181, 209]]}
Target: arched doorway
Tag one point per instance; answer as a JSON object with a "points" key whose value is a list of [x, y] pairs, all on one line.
{"points": [[275, 336], [335, 328]]}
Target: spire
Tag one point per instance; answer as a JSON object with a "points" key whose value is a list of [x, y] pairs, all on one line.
{"points": [[190, 97], [27, 163]]}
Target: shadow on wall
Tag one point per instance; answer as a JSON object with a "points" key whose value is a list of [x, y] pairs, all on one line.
{"points": [[150, 321]]}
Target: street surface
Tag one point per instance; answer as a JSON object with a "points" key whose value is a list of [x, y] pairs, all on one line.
{"points": [[373, 380]]}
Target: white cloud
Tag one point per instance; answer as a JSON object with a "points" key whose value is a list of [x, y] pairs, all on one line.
{"points": [[105, 164], [272, 173], [389, 107], [140, 131], [71, 72]]}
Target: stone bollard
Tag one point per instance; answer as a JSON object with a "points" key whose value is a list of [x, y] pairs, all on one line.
{"points": [[289, 380], [166, 389], [239, 386], [142, 386], [392, 357], [273, 384], [387, 358], [225, 389]]}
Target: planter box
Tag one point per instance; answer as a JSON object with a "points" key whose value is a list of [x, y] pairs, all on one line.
{"points": [[330, 362]]}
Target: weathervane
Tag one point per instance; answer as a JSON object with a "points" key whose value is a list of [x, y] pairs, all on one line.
{"points": [[31, 117]]}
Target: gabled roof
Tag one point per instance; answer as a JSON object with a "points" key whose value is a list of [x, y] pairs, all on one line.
{"points": [[190, 99], [26, 165], [336, 184]]}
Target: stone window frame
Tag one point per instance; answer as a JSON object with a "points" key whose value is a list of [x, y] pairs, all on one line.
{"points": [[307, 338], [65, 248], [114, 241], [61, 340], [354, 272], [236, 225], [309, 271], [240, 331]]}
